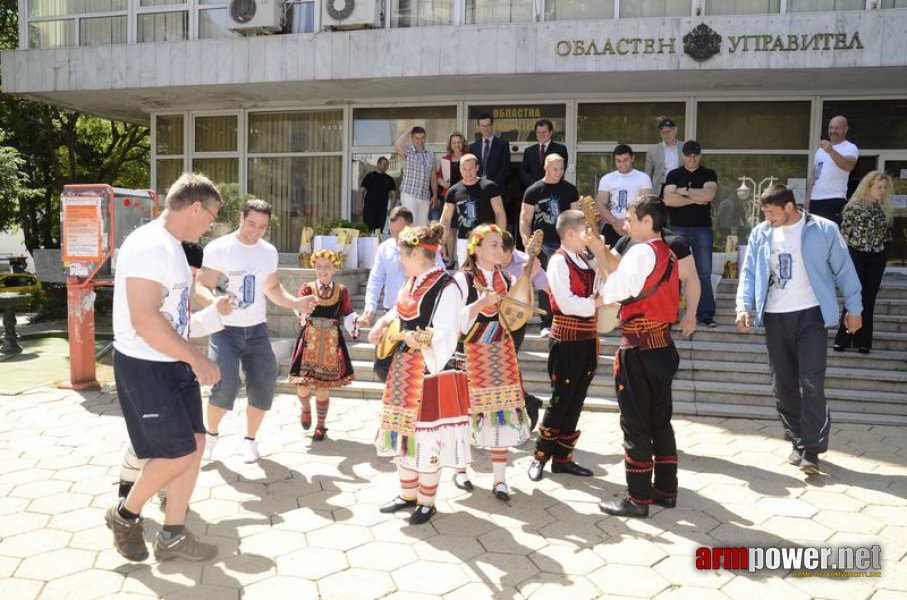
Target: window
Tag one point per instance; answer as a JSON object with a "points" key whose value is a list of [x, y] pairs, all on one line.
{"points": [[102, 31], [62, 8], [295, 162], [163, 26], [479, 12], [296, 132], [741, 7], [421, 13], [382, 126], [169, 150], [168, 170], [216, 134], [626, 122], [303, 17], [794, 6], [753, 125], [654, 8], [52, 34], [214, 23], [218, 170], [878, 124], [579, 10]]}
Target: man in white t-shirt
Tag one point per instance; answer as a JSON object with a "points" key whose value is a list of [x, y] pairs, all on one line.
{"points": [[617, 189], [244, 266], [158, 372], [826, 189], [793, 264]]}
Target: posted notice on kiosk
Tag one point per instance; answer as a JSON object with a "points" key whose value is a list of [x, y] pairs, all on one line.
{"points": [[82, 228]]}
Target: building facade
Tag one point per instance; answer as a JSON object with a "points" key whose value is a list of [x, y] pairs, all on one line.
{"points": [[298, 115]]}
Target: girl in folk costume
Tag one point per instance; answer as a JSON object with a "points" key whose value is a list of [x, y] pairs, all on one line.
{"points": [[321, 360], [496, 402], [424, 421]]}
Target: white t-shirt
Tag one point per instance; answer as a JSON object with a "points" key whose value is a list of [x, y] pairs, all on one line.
{"points": [[831, 180], [246, 269], [150, 252], [789, 289], [623, 188]]}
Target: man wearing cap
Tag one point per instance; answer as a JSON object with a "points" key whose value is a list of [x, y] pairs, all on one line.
{"points": [[663, 158], [688, 192]]}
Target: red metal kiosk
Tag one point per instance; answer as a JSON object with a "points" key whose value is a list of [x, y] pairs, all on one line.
{"points": [[96, 218]]}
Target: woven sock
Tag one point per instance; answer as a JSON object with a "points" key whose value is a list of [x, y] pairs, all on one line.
{"points": [[321, 408], [428, 488], [409, 483], [499, 464]]}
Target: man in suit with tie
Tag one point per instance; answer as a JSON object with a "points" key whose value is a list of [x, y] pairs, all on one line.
{"points": [[494, 162], [533, 167]]}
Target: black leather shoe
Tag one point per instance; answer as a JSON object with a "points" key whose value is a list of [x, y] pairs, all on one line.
{"points": [[421, 515], [664, 502], [624, 507], [463, 484], [501, 491], [396, 504], [536, 469], [570, 467]]}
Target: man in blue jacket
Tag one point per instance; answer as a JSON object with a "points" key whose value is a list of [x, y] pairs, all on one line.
{"points": [[793, 262]]}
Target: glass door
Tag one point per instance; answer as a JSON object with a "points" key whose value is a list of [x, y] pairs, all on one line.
{"points": [[895, 164]]}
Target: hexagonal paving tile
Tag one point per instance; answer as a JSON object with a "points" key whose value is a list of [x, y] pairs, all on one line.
{"points": [[680, 571], [23, 522], [505, 570], [311, 563], [566, 559], [787, 507], [381, 556], [429, 577], [40, 489], [340, 536], [793, 528], [280, 586], [273, 543], [557, 587], [20, 589], [86, 585], [356, 584], [641, 581], [33, 543], [55, 564], [630, 551]]}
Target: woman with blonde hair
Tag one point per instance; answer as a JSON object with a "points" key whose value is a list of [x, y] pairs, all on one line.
{"points": [[866, 226], [456, 148]]}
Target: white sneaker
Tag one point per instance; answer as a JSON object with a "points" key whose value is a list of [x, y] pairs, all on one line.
{"points": [[249, 451], [545, 332], [210, 443]]}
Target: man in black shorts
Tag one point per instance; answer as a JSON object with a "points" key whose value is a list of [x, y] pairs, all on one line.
{"points": [[158, 372]]}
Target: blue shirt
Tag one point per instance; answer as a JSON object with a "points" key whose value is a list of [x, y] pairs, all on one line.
{"points": [[827, 262], [387, 274]]}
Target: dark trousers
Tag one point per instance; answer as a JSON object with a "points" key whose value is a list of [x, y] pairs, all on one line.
{"points": [[797, 353], [571, 366], [544, 301], [870, 266], [611, 234], [830, 208], [643, 382]]}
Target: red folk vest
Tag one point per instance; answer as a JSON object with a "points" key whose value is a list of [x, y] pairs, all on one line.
{"points": [[660, 305], [582, 282]]}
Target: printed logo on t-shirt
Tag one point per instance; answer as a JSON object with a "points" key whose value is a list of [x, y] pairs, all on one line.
{"points": [[784, 273], [181, 323], [622, 199], [247, 291], [819, 168], [469, 212], [554, 207]]}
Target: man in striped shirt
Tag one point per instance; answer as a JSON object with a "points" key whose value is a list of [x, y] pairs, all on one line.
{"points": [[419, 188]]}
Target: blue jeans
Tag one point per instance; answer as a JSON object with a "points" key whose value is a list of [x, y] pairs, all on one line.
{"points": [[251, 347], [700, 239]]}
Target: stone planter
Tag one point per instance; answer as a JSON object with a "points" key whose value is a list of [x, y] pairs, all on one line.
{"points": [[367, 250]]}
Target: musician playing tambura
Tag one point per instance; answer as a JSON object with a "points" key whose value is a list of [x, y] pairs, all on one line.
{"points": [[497, 407], [424, 422], [321, 360], [645, 284], [572, 347]]}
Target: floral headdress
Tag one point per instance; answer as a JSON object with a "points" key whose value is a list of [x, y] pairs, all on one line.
{"points": [[478, 234], [332, 256], [410, 237]]}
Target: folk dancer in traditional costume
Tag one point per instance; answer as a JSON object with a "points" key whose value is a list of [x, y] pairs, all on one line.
{"points": [[321, 360], [572, 347], [496, 404], [424, 421], [645, 283]]}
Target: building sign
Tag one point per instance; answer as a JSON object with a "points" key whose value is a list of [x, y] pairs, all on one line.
{"points": [[702, 43], [516, 122]]}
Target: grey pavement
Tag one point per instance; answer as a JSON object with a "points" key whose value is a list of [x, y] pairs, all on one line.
{"points": [[304, 521]]}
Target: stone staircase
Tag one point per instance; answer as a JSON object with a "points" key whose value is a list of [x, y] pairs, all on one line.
{"points": [[722, 372]]}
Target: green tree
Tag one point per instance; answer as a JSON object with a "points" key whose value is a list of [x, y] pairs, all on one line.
{"points": [[57, 147]]}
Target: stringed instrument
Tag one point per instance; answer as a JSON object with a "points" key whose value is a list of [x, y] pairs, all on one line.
{"points": [[606, 314], [393, 336], [519, 303]]}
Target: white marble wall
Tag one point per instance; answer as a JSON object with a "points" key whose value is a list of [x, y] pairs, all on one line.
{"points": [[429, 51]]}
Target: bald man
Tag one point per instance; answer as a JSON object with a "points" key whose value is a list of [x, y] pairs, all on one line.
{"points": [[826, 189]]}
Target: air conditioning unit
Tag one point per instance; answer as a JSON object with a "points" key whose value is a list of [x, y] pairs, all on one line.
{"points": [[255, 16], [352, 14]]}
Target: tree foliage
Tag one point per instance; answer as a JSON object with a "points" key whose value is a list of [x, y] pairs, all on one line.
{"points": [[57, 147]]}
